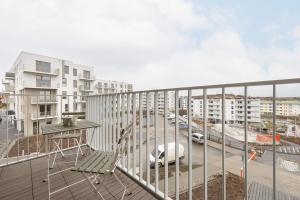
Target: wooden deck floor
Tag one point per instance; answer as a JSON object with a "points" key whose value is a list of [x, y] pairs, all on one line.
{"points": [[25, 181]]}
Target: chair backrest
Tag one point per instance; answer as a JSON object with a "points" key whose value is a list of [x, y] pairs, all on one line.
{"points": [[122, 143]]}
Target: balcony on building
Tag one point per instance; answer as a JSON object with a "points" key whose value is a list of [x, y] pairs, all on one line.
{"points": [[10, 76], [41, 84], [44, 99], [9, 88], [86, 77], [85, 88], [43, 115], [42, 68]]}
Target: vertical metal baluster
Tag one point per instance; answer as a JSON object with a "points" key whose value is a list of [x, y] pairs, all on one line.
{"points": [[101, 122], [166, 186], [123, 123], [106, 122], [6, 113], [223, 144], [274, 141], [28, 150], [61, 111], [134, 131], [68, 140], [110, 121], [141, 135], [19, 113], [118, 116], [190, 178], [246, 142], [148, 137], [156, 141], [128, 122], [94, 108], [98, 121], [37, 122], [205, 141], [176, 147], [114, 121]]}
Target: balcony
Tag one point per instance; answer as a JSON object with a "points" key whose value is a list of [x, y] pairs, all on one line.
{"points": [[10, 76], [48, 85], [33, 70], [86, 78], [10, 88], [85, 88], [231, 158], [44, 99], [43, 115], [4, 81]]}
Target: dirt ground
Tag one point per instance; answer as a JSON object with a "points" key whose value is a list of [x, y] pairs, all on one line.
{"points": [[291, 139], [234, 188]]}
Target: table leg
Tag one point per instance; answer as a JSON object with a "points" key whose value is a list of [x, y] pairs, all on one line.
{"points": [[46, 144]]}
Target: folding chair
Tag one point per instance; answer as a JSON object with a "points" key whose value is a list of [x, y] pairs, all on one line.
{"points": [[60, 139], [98, 163]]}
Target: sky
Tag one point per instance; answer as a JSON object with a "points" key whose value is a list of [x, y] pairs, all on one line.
{"points": [[159, 43]]}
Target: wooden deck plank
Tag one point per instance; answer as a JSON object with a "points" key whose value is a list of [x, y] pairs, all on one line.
{"points": [[25, 181]]}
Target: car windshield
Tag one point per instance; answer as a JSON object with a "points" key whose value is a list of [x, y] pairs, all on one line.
{"points": [[158, 153]]}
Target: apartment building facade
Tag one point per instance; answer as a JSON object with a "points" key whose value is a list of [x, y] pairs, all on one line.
{"points": [[48, 87], [234, 110], [284, 106]]}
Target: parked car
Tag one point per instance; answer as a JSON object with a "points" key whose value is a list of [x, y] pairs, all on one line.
{"points": [[171, 154], [198, 138]]}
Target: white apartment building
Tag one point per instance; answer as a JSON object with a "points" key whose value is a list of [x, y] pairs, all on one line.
{"points": [[107, 86], [160, 101], [284, 107], [61, 85], [214, 110], [234, 110]]}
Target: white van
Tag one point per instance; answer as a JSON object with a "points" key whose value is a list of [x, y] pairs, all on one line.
{"points": [[161, 154], [198, 138]]}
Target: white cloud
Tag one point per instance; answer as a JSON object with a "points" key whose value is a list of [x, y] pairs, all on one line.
{"points": [[153, 44]]}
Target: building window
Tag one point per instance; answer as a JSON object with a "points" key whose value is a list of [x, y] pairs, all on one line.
{"points": [[42, 66], [64, 82], [45, 110], [43, 81], [74, 72], [66, 107], [75, 95], [74, 83], [64, 94], [66, 69], [75, 106], [87, 85], [86, 74]]}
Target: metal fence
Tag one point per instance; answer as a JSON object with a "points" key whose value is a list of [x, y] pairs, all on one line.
{"points": [[115, 111], [148, 112]]}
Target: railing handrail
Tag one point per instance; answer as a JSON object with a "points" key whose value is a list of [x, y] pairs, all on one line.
{"points": [[214, 86]]}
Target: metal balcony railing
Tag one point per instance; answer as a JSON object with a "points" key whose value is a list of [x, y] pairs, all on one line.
{"points": [[86, 77], [43, 115], [43, 99], [154, 126], [115, 111]]}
